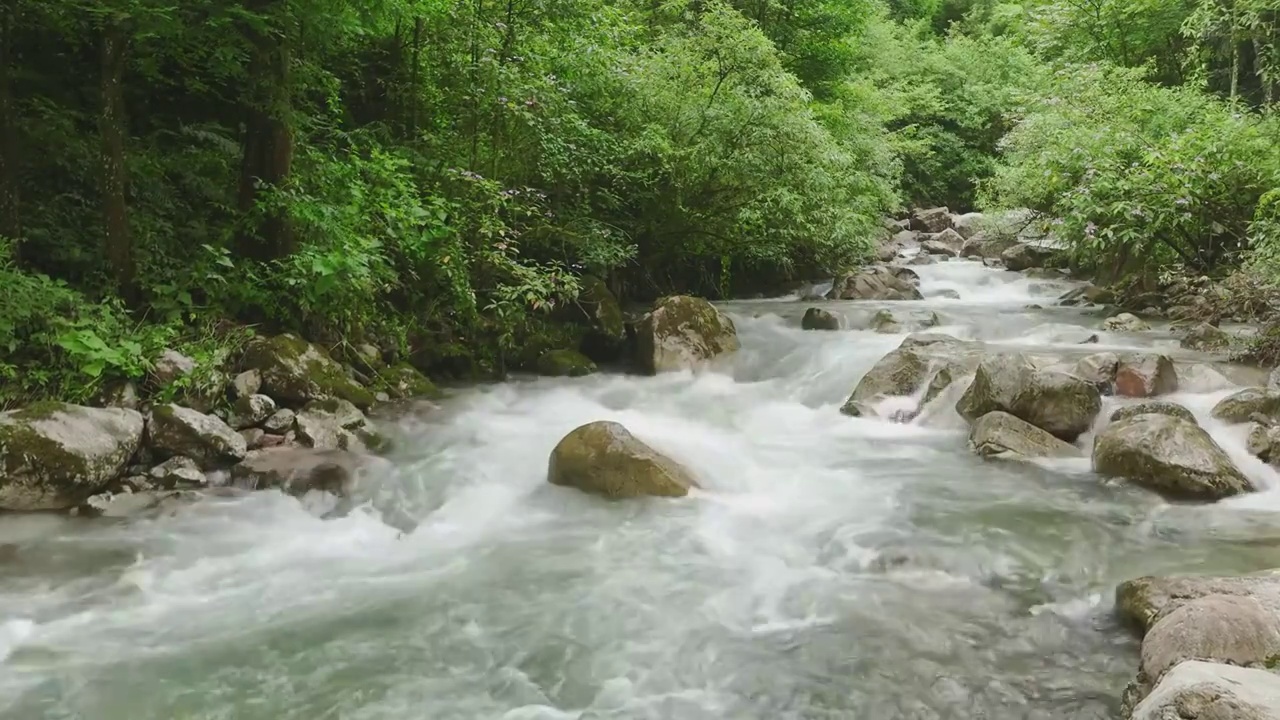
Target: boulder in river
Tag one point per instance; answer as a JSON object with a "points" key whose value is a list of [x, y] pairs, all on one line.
{"points": [[948, 242], [55, 455], [1061, 403], [1157, 407], [1025, 256], [1099, 369], [296, 371], [1263, 441], [683, 332], [565, 363], [1143, 375], [177, 471], [969, 225], [1169, 455], [1086, 295], [878, 282], [1233, 629], [819, 319], [1125, 322], [1143, 601], [1240, 407], [998, 434], [336, 424], [1197, 690], [403, 380], [604, 458], [177, 430], [890, 323], [296, 471], [931, 220], [1205, 337]]}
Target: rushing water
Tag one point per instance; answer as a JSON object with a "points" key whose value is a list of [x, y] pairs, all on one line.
{"points": [[831, 568]]}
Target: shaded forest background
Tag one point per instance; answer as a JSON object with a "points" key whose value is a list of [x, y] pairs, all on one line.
{"points": [[435, 178]]}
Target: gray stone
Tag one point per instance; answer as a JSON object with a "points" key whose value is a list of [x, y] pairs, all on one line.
{"points": [[251, 410], [177, 471], [245, 384], [295, 371], [178, 430], [1196, 690], [1125, 322], [683, 333], [931, 220], [998, 434], [1169, 455], [171, 366], [878, 282], [1061, 403], [1242, 406], [1158, 407], [297, 471], [819, 319], [1025, 256], [330, 425], [280, 422], [1224, 628], [969, 225], [253, 437], [1143, 601], [1205, 337], [1144, 375], [604, 458], [948, 242]]}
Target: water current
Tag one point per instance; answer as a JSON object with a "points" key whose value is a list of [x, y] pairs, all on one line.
{"points": [[831, 567]]}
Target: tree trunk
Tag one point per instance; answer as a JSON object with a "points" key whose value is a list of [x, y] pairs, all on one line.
{"points": [[111, 127], [10, 215], [267, 145]]}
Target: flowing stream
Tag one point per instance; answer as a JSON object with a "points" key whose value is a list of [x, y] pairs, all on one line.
{"points": [[831, 567]]}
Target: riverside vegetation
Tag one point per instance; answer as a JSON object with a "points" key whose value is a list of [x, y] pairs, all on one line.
{"points": [[230, 231]]}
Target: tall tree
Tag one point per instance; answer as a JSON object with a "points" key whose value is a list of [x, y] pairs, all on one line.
{"points": [[10, 212], [114, 180]]}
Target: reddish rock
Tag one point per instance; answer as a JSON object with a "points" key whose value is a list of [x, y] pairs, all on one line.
{"points": [[1145, 375]]}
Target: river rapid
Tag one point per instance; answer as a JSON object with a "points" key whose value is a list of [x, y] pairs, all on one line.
{"points": [[831, 567]]}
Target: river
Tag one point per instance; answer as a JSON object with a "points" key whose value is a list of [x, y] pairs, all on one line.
{"points": [[831, 567]]}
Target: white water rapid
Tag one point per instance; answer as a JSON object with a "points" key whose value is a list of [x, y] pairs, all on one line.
{"points": [[831, 568]]}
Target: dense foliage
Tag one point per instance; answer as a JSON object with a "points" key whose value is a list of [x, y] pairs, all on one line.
{"points": [[434, 178]]}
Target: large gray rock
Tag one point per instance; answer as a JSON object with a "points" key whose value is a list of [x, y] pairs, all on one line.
{"points": [[969, 225], [998, 434], [297, 471], [819, 319], [245, 384], [931, 220], [1242, 406], [250, 411], [178, 430], [1025, 256], [1224, 628], [948, 242], [682, 333], [1099, 369], [332, 424], [1205, 337], [1143, 601], [604, 458], [177, 471], [295, 371], [1061, 403], [1169, 455], [1125, 322], [1143, 375], [55, 455], [1263, 440], [171, 366], [924, 360], [878, 282], [891, 323], [1197, 690], [1158, 407]]}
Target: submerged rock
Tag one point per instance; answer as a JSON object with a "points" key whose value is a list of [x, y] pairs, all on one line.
{"points": [[1196, 690], [1125, 322], [1143, 375], [819, 319], [296, 371], [999, 433], [1061, 403], [683, 332], [297, 471], [1242, 406], [1156, 407], [604, 458], [55, 455], [878, 282], [1169, 455], [177, 430], [565, 363]]}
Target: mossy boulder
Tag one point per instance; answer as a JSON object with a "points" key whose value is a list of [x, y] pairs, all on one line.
{"points": [[1142, 602], [404, 381], [879, 282], [176, 430], [604, 458], [1061, 403], [819, 319], [1157, 407], [999, 434], [1169, 455], [250, 411], [1240, 407], [296, 372], [53, 456], [564, 363], [1206, 338], [335, 424], [606, 337], [683, 332]]}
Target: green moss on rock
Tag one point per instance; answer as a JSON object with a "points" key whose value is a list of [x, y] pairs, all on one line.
{"points": [[565, 363], [295, 371], [405, 381]]}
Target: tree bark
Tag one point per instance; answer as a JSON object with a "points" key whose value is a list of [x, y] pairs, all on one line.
{"points": [[266, 233], [111, 128], [10, 208]]}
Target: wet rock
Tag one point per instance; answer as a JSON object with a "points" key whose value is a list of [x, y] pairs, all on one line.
{"points": [[270, 440], [1205, 337], [55, 455], [1099, 369], [974, 247], [171, 366], [923, 259], [1157, 407], [1197, 690], [177, 472], [1263, 440], [999, 433], [250, 410], [1025, 256], [1125, 322], [404, 381], [878, 282], [1224, 628], [296, 371], [819, 319], [889, 323], [145, 503], [948, 242], [177, 430], [923, 360], [682, 333], [1273, 380], [1143, 601], [253, 437], [565, 363], [604, 458], [1242, 406], [297, 471], [1168, 455], [969, 225], [1087, 295], [245, 384], [331, 425], [1062, 404], [1143, 375], [931, 220], [280, 422]]}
